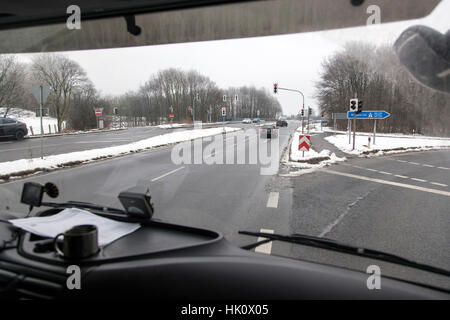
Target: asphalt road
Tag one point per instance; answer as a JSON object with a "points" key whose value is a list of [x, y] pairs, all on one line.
{"points": [[398, 204]]}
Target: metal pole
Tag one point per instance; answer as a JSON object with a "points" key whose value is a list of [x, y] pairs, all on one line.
{"points": [[354, 130], [41, 102], [334, 126], [307, 122], [374, 130], [193, 110], [349, 131], [354, 126]]}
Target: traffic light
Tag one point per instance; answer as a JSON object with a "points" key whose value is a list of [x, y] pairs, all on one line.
{"points": [[322, 114], [275, 87], [353, 105], [309, 111], [303, 113], [360, 106], [116, 111]]}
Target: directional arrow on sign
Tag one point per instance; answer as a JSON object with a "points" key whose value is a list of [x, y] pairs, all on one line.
{"points": [[304, 143], [369, 114]]}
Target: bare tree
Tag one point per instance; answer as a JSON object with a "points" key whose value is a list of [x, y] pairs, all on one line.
{"points": [[12, 75], [63, 76]]}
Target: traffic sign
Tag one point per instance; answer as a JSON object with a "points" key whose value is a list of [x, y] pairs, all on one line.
{"points": [[304, 143], [36, 90], [369, 114], [45, 112], [98, 112], [171, 116], [338, 116]]}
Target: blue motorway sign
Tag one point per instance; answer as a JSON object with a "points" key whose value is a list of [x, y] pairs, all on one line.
{"points": [[369, 114]]}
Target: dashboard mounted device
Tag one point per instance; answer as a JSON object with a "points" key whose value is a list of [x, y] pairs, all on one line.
{"points": [[137, 202], [32, 194]]}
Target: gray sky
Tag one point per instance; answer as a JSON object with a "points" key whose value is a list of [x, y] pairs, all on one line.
{"points": [[293, 61]]}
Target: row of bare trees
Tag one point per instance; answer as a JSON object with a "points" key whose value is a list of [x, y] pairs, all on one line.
{"points": [[73, 96], [174, 90], [374, 75]]}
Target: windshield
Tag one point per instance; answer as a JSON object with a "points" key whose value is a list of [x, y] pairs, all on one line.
{"points": [[363, 157]]}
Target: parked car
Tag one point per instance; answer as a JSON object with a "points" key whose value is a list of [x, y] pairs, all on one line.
{"points": [[282, 123], [12, 128], [268, 131], [247, 121]]}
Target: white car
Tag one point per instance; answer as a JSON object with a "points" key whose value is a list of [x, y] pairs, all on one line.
{"points": [[246, 121]]}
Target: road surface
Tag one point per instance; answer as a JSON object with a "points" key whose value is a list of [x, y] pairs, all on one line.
{"points": [[398, 204]]}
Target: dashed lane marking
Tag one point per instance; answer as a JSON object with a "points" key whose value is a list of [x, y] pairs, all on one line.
{"points": [[168, 173], [392, 183], [439, 184], [420, 180], [272, 202], [266, 247]]}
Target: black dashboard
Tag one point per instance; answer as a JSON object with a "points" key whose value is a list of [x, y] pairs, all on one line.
{"points": [[167, 261]]}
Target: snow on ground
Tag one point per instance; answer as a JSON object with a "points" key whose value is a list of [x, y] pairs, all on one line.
{"points": [[54, 161], [29, 118], [311, 158], [173, 125], [387, 143]]}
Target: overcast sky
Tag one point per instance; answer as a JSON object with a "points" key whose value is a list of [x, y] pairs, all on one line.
{"points": [[293, 61]]}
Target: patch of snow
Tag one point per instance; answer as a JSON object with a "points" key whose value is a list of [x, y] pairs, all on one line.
{"points": [[29, 118], [385, 143], [297, 155]]}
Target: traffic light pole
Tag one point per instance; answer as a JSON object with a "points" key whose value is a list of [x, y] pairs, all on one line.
{"points": [[303, 100], [307, 122], [354, 123]]}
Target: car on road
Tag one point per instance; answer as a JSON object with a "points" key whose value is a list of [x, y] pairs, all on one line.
{"points": [[12, 128], [256, 120], [246, 121], [268, 131], [282, 123]]}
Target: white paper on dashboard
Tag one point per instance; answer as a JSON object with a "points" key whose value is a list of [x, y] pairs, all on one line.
{"points": [[108, 230]]}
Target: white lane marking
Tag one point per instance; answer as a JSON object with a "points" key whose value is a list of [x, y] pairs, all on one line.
{"points": [[272, 202], [420, 180], [400, 176], [168, 173], [402, 161], [373, 170], [417, 164], [384, 172], [439, 184], [266, 247], [443, 168], [428, 165], [403, 185]]}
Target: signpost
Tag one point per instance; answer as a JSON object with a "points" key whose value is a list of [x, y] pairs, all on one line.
{"points": [[304, 143], [224, 113], [98, 113], [370, 115], [41, 92]]}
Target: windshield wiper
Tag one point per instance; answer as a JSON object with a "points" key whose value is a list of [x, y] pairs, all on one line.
{"points": [[333, 245]]}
